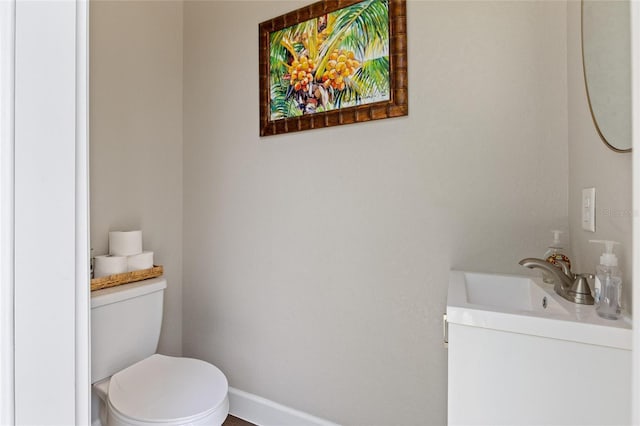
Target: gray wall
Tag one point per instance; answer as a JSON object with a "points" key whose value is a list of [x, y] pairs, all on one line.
{"points": [[136, 136], [592, 164], [316, 263]]}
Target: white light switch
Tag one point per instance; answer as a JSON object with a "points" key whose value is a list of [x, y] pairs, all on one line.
{"points": [[589, 209]]}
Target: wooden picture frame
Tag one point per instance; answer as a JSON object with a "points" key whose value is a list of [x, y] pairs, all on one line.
{"points": [[333, 62]]}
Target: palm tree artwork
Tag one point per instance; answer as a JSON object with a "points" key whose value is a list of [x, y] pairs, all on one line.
{"points": [[333, 61]]}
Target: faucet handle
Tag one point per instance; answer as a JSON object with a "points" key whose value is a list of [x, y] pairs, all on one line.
{"points": [[580, 291]]}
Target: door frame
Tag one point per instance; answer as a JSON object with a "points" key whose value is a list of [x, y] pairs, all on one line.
{"points": [[63, 24]]}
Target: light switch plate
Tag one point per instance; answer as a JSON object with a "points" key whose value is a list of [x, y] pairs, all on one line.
{"points": [[589, 209]]}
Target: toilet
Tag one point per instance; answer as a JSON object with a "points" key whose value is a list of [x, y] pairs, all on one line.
{"points": [[132, 385]]}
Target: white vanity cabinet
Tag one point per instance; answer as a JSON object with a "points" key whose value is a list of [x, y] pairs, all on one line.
{"points": [[515, 362]]}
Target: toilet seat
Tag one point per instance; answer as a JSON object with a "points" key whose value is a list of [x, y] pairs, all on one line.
{"points": [[168, 390]]}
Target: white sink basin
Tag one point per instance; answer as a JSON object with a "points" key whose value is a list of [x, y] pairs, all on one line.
{"points": [[527, 305], [509, 292]]}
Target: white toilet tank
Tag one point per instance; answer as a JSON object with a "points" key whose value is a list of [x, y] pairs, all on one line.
{"points": [[125, 325]]}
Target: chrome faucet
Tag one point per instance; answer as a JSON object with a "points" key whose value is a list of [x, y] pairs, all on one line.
{"points": [[573, 287]]}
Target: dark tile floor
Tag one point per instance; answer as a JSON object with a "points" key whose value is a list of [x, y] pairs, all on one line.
{"points": [[234, 421]]}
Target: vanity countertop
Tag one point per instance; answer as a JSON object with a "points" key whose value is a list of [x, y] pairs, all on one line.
{"points": [[527, 305]]}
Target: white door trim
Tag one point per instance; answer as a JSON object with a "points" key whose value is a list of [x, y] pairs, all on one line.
{"points": [[7, 64], [82, 302], [635, 127], [46, 243]]}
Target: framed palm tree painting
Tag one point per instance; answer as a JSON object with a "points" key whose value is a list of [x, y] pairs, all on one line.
{"points": [[333, 62]]}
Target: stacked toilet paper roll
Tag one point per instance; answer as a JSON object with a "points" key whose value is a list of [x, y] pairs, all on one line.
{"points": [[139, 261], [107, 264], [125, 255], [126, 243]]}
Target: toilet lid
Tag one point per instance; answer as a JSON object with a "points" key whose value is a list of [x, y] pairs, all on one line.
{"points": [[162, 388]]}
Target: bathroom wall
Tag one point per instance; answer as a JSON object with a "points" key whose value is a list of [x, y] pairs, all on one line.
{"points": [[593, 164], [136, 136], [316, 263]]}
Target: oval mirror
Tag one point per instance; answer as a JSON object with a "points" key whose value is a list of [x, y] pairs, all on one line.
{"points": [[606, 58]]}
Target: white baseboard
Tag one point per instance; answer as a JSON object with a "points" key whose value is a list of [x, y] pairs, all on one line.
{"points": [[264, 412]]}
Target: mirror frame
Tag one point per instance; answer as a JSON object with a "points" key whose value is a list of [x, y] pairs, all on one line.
{"points": [[586, 86]]}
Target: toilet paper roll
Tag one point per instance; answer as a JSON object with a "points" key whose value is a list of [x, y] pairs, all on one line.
{"points": [[125, 243], [143, 260], [108, 265]]}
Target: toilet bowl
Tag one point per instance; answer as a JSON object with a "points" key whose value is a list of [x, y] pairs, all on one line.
{"points": [[163, 390], [135, 386]]}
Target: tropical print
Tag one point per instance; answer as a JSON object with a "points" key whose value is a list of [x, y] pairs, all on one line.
{"points": [[336, 60]]}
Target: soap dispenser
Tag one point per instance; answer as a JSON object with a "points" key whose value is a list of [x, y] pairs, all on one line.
{"points": [[554, 254], [608, 285]]}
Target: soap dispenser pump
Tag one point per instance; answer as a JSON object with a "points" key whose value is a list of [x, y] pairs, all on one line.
{"points": [[608, 285]]}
